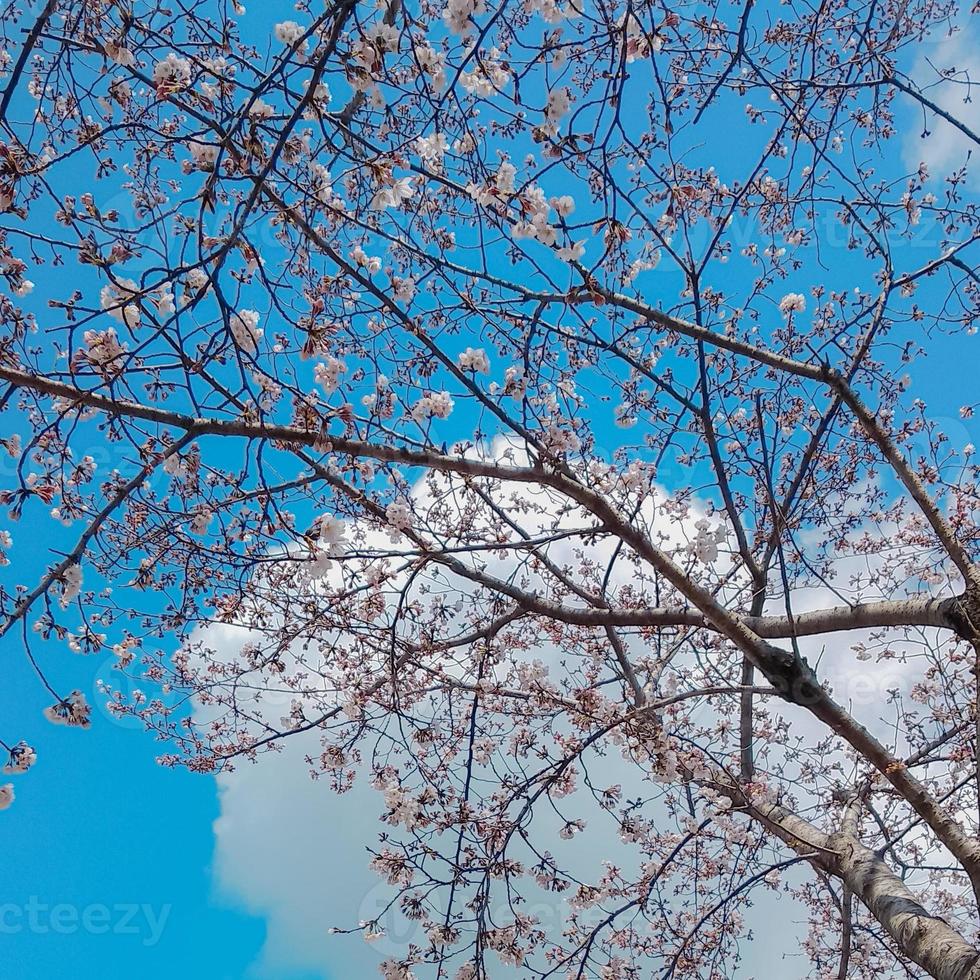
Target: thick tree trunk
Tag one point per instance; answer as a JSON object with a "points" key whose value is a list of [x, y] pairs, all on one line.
{"points": [[924, 938]]}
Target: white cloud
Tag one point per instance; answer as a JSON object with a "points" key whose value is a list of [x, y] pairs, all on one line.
{"points": [[945, 148], [290, 849]]}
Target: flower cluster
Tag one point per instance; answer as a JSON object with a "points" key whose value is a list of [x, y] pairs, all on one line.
{"points": [[22, 757], [244, 326], [71, 584], [436, 405], [120, 300], [792, 303], [474, 360], [458, 15], [73, 711], [327, 373], [172, 74]]}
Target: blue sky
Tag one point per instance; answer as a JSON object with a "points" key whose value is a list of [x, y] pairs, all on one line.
{"points": [[113, 864], [107, 868]]}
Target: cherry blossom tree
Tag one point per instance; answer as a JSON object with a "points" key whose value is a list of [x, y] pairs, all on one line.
{"points": [[530, 389]]}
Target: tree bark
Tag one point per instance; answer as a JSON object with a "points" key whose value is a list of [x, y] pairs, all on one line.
{"points": [[928, 940]]}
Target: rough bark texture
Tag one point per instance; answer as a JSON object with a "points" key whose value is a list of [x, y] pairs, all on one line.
{"points": [[928, 940], [924, 938]]}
